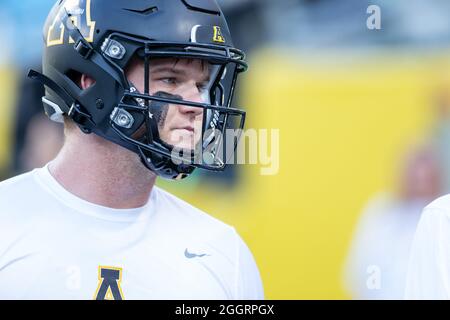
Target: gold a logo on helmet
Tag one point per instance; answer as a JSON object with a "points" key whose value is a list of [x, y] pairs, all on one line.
{"points": [[218, 37], [80, 11]]}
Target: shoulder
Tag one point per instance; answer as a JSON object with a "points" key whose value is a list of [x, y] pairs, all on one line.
{"points": [[190, 217], [378, 207], [17, 189], [426, 279], [17, 180], [436, 217], [17, 209], [209, 233], [21, 200], [435, 220], [440, 206]]}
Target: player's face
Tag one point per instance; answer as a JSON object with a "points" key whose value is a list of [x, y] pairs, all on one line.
{"points": [[179, 125]]}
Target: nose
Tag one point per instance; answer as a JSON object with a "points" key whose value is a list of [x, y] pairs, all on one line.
{"points": [[192, 94]]}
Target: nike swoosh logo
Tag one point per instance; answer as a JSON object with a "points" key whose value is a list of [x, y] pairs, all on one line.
{"points": [[189, 255]]}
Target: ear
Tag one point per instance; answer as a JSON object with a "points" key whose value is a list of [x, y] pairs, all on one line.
{"points": [[86, 81]]}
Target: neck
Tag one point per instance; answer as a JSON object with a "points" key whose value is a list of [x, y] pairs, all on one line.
{"points": [[102, 173]]}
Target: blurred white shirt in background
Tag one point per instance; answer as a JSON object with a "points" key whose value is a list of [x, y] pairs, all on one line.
{"points": [[429, 267], [377, 264]]}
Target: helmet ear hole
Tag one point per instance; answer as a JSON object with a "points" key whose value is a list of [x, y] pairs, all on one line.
{"points": [[75, 77], [82, 81], [86, 81]]}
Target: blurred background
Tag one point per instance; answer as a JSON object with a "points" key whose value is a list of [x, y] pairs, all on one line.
{"points": [[364, 120]]}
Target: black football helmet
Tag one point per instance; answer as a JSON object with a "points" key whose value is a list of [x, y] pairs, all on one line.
{"points": [[99, 38]]}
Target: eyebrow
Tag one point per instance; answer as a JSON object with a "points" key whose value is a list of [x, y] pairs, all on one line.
{"points": [[173, 70], [168, 69]]}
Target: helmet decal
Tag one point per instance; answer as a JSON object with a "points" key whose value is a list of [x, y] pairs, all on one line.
{"points": [[80, 14], [218, 37]]}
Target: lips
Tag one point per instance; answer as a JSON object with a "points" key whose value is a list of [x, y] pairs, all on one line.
{"points": [[187, 128]]}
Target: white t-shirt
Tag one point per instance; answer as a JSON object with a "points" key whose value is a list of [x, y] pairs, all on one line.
{"points": [[429, 265], [54, 245]]}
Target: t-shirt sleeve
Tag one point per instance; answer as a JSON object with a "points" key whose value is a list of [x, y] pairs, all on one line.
{"points": [[429, 264], [248, 280]]}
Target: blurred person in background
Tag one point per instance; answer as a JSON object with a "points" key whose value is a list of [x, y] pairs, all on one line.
{"points": [[441, 131], [377, 262]]}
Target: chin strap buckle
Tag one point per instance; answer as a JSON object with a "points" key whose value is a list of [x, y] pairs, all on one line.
{"points": [[83, 119], [83, 48]]}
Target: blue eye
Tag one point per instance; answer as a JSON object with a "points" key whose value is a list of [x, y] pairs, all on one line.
{"points": [[202, 87], [171, 81]]}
